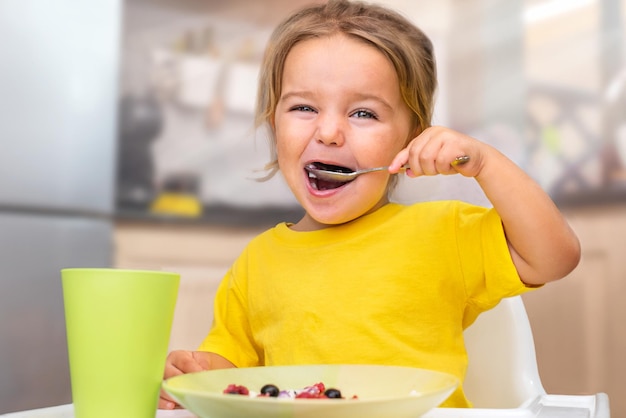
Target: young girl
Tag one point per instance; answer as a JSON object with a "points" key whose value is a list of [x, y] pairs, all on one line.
{"points": [[358, 279]]}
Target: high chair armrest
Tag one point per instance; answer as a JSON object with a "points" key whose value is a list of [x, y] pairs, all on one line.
{"points": [[544, 406], [593, 406]]}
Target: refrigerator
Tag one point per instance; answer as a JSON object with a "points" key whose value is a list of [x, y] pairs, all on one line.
{"points": [[58, 99]]}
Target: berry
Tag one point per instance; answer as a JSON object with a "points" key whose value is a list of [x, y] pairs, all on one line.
{"points": [[270, 390], [319, 387], [332, 393], [233, 389], [307, 395], [315, 391]]}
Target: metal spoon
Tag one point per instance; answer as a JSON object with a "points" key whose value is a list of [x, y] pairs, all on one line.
{"points": [[339, 176]]}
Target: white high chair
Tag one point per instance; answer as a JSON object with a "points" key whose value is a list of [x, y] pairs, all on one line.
{"points": [[502, 377], [502, 370]]}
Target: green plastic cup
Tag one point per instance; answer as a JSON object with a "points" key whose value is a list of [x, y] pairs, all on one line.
{"points": [[118, 328]]}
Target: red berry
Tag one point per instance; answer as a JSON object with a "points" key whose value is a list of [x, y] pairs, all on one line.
{"points": [[233, 389], [307, 395], [320, 387]]}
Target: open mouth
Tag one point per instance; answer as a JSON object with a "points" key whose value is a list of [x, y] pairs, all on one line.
{"points": [[323, 184]]}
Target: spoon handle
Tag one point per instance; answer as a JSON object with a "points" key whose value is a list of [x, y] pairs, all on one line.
{"points": [[457, 161], [460, 160]]}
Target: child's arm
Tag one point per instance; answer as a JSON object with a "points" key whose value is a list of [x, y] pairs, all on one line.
{"points": [[542, 245], [181, 361]]}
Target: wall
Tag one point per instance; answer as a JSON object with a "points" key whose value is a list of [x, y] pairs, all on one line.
{"points": [[510, 74]]}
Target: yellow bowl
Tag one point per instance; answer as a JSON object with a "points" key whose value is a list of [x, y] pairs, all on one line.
{"points": [[382, 391]]}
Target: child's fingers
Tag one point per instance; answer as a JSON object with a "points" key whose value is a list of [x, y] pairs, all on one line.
{"points": [[179, 362], [186, 362], [437, 150], [399, 160], [202, 359], [165, 402], [425, 155], [446, 164]]}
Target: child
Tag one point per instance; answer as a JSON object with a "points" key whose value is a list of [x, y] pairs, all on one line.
{"points": [[358, 279]]}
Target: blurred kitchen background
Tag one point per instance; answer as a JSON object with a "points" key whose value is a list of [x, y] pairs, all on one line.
{"points": [[127, 140]]}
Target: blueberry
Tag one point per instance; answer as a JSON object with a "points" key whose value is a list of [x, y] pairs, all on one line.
{"points": [[270, 390], [332, 393]]}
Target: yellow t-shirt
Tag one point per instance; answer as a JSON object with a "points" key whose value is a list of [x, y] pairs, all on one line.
{"points": [[395, 287]]}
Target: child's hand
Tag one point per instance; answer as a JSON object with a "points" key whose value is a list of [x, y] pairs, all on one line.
{"points": [[434, 150], [180, 362]]}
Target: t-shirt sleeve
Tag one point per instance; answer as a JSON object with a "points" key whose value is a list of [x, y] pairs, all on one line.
{"points": [[230, 335], [488, 269]]}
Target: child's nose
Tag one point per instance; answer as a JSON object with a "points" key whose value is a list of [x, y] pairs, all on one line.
{"points": [[330, 131], [330, 140]]}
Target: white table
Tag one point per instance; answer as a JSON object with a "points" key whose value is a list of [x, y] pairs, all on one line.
{"points": [[67, 411], [547, 406]]}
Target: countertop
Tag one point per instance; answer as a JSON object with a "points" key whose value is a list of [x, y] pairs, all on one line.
{"points": [[216, 215]]}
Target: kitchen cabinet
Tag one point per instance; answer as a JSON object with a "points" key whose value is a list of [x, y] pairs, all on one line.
{"points": [[578, 322], [200, 253]]}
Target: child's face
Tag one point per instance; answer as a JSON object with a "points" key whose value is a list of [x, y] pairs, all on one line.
{"points": [[340, 105]]}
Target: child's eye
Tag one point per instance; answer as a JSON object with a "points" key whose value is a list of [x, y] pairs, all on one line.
{"points": [[303, 108], [362, 113]]}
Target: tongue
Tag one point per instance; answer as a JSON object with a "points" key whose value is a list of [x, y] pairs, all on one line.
{"points": [[327, 185]]}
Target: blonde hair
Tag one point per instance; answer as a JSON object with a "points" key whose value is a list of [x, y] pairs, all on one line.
{"points": [[406, 46]]}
